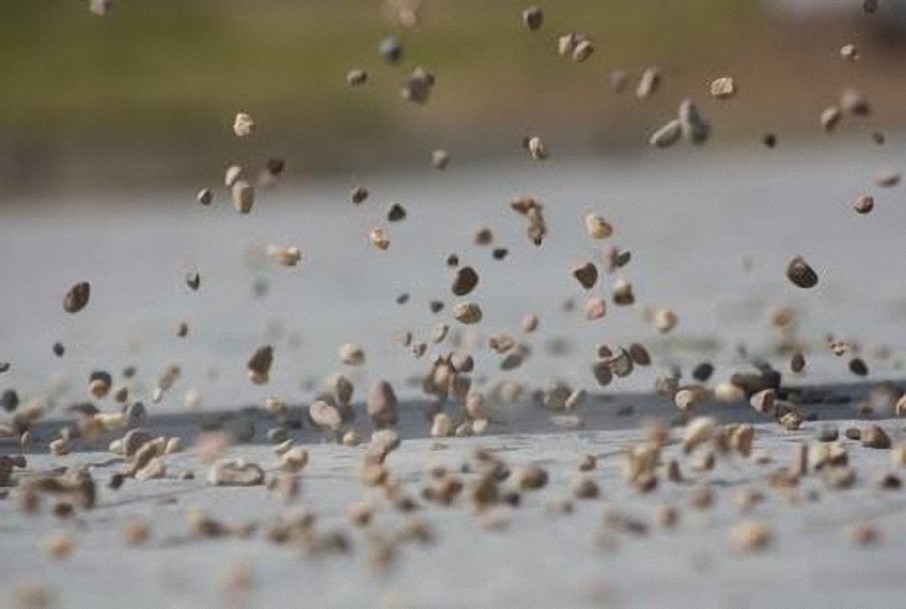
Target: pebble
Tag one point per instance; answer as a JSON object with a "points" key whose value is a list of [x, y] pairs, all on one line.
{"points": [[801, 274], [595, 308], [586, 275], [379, 238], [232, 175], [205, 196], [797, 362], [694, 128], [854, 102], [356, 78], [77, 297], [875, 437], [285, 256], [750, 536], [537, 149], [769, 140], [827, 433], [529, 323], [243, 195], [440, 159], [59, 546], [849, 52], [358, 195], [294, 460], [193, 280], [243, 125], [667, 135], [723, 88], [235, 472], [830, 116], [259, 365], [100, 7], [887, 178], [467, 313], [396, 213], [391, 50], [351, 354], [584, 487], [532, 18], [858, 366], [418, 86], [648, 83], [381, 404], [465, 281], [665, 320]]}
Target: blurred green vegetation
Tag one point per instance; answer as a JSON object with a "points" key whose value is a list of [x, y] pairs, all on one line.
{"points": [[170, 75], [178, 67]]}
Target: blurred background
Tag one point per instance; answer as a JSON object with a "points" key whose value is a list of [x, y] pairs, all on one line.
{"points": [[146, 95]]}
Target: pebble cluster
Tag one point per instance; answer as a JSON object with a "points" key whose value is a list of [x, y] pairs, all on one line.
{"points": [[464, 400]]}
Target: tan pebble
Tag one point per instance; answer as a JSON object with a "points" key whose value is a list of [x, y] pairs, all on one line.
{"points": [[173, 446], [352, 438], [325, 416], [243, 125], [137, 532], [875, 437], [537, 149], [649, 83], [887, 178], [442, 425], [854, 102], [764, 401], [849, 52], [898, 456], [360, 514], [530, 477], [595, 309], [59, 545], [723, 88], [529, 323], [294, 460], [701, 498], [356, 78], [467, 312], [60, 447], [379, 238], [698, 431], [381, 404], [232, 175], [688, 398], [750, 536], [587, 463], [667, 516], [729, 393], [666, 135], [830, 116], [351, 354], [863, 534], [597, 227], [665, 320], [285, 256]]}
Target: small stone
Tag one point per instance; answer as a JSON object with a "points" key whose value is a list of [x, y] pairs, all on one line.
{"points": [[854, 102], [801, 274], [325, 416], [530, 478], [532, 18], [396, 213], [588, 463], [294, 460], [193, 280], [694, 128], [499, 253], [379, 238], [887, 178], [537, 149], [391, 50], [243, 125], [597, 227], [232, 175], [259, 365], [583, 50], [418, 86], [529, 323], [667, 135], [440, 159], [100, 7], [137, 532], [243, 196], [863, 534], [665, 320], [878, 137], [702, 372], [769, 140], [723, 88], [595, 309], [182, 329], [467, 312], [59, 546], [584, 487], [586, 275], [858, 366], [827, 433], [616, 80], [797, 362], [205, 196], [875, 437], [356, 78], [77, 297], [764, 401], [236, 473], [358, 195], [830, 116], [649, 83], [351, 354], [381, 404], [284, 256], [465, 281], [750, 536], [442, 425], [849, 52]]}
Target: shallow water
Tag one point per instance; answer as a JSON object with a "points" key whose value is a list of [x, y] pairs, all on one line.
{"points": [[688, 217]]}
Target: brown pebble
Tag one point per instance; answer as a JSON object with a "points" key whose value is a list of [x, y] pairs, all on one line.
{"points": [[586, 275], [801, 274], [750, 536], [875, 437], [467, 312], [864, 204], [381, 404], [77, 297], [204, 196], [59, 546], [356, 78], [864, 534], [849, 52], [259, 365], [358, 195], [379, 238], [465, 281], [137, 532], [584, 487], [797, 362]]}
